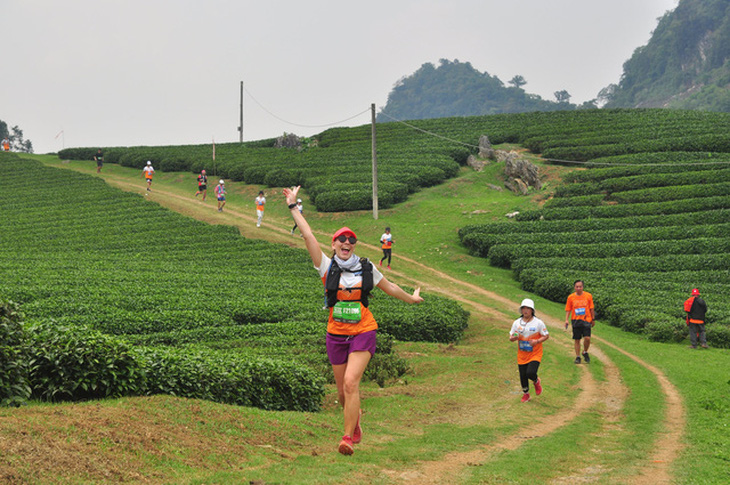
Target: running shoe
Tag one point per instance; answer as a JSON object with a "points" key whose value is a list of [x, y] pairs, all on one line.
{"points": [[704, 346], [577, 360], [346, 447], [586, 357], [381, 263], [538, 387], [357, 433], [388, 266], [525, 398]]}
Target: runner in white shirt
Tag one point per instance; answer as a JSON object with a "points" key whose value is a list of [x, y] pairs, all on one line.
{"points": [[529, 332]]}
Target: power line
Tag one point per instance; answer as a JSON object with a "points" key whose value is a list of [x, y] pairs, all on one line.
{"points": [[300, 125]]}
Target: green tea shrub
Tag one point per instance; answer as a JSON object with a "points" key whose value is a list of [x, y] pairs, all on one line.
{"points": [[14, 385], [75, 363]]}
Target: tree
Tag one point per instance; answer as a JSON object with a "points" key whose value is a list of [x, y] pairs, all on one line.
{"points": [[562, 96], [15, 137], [606, 94], [517, 81]]}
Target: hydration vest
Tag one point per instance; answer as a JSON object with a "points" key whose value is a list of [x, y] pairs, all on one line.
{"points": [[332, 283]]}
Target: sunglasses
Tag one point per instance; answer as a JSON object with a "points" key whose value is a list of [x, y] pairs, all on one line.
{"points": [[343, 238]]}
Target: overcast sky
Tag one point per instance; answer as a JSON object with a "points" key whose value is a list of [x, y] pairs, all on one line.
{"points": [[148, 72]]}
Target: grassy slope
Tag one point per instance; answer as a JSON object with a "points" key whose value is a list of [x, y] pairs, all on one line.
{"points": [[456, 396]]}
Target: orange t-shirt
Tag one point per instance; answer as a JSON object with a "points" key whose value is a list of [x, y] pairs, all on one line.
{"points": [[580, 306], [529, 331], [367, 320]]}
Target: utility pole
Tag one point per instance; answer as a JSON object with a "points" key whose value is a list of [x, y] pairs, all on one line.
{"points": [[240, 126], [375, 164]]}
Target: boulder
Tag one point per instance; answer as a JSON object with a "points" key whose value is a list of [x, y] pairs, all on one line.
{"points": [[485, 148], [522, 175], [288, 140], [475, 163]]}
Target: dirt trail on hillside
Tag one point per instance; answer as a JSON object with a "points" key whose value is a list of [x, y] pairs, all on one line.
{"points": [[607, 398]]}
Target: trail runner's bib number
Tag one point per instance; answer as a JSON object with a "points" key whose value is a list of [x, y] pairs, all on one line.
{"points": [[525, 345], [346, 312]]}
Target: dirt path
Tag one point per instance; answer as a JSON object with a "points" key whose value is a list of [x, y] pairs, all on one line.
{"points": [[607, 397]]}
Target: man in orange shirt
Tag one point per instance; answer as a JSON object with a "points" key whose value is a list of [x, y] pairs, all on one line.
{"points": [[580, 312]]}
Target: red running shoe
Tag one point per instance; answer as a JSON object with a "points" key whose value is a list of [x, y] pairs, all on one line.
{"points": [[525, 398], [346, 447], [357, 434], [538, 387]]}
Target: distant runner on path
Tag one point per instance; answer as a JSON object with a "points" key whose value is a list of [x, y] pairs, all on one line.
{"points": [[580, 312], [529, 332], [99, 159], [387, 243], [260, 202], [147, 173], [220, 193], [202, 184], [351, 328], [6, 145]]}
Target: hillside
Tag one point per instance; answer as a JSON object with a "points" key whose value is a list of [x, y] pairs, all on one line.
{"points": [[455, 88], [685, 64], [455, 417]]}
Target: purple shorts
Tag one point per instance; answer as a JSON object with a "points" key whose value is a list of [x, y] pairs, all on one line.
{"points": [[339, 347]]}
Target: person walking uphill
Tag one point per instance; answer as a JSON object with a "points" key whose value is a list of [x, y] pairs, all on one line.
{"points": [[579, 309], [351, 327], [696, 309], [529, 332], [387, 243]]}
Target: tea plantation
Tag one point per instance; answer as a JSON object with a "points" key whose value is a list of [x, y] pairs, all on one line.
{"points": [[119, 296], [645, 223], [335, 166]]}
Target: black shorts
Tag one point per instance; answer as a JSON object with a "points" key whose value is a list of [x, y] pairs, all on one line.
{"points": [[202, 187], [99, 163], [581, 329]]}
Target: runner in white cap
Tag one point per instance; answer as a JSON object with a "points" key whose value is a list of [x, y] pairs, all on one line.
{"points": [[529, 332]]}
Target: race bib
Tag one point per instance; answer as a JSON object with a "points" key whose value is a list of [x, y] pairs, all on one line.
{"points": [[580, 311], [346, 312], [525, 345]]}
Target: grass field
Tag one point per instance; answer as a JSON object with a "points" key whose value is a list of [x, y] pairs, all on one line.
{"points": [[455, 418]]}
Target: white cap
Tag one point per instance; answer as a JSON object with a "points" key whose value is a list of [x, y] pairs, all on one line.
{"points": [[299, 200], [528, 303], [149, 163], [221, 181]]}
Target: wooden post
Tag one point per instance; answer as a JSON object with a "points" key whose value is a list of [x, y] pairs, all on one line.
{"points": [[375, 165], [240, 126]]}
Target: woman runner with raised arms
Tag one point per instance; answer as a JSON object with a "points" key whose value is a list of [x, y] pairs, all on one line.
{"points": [[351, 327]]}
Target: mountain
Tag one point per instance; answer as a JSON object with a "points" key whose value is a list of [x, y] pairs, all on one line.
{"points": [[457, 89], [686, 63]]}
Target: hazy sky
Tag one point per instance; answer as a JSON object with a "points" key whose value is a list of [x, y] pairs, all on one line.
{"points": [[131, 72]]}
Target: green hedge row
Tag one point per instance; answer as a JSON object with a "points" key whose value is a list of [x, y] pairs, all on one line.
{"points": [[503, 255], [479, 243], [628, 210]]}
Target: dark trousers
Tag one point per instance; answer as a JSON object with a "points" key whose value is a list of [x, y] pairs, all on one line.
{"points": [[528, 372], [694, 329], [386, 254]]}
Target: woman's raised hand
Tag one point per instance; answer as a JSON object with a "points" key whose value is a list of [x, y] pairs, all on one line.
{"points": [[291, 194]]}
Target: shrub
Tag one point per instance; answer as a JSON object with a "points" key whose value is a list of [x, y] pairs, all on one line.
{"points": [[14, 385], [664, 328], [74, 363], [264, 383]]}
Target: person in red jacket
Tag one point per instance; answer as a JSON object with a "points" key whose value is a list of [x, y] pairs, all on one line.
{"points": [[696, 309]]}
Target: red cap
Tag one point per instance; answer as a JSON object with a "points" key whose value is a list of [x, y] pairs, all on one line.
{"points": [[344, 230], [695, 292]]}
